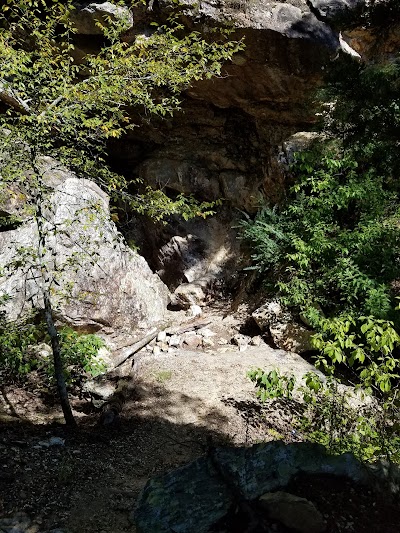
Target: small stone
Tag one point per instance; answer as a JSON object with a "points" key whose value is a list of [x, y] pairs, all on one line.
{"points": [[164, 346], [256, 341], [224, 349], [174, 340], [56, 441], [192, 341], [156, 350], [188, 294], [223, 342], [99, 387], [207, 342], [206, 332], [293, 512], [194, 310], [240, 340], [34, 528], [162, 336]]}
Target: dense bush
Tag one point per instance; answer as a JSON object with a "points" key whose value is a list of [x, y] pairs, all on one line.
{"points": [[325, 413], [335, 243], [332, 250], [18, 355]]}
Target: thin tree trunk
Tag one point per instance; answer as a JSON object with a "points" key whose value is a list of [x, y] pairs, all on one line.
{"points": [[48, 310], [58, 364]]}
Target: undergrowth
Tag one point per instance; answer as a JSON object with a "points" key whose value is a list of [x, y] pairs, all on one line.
{"points": [[22, 351]]}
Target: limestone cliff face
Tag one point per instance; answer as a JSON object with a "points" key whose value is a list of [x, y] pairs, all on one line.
{"points": [[226, 141], [223, 144]]}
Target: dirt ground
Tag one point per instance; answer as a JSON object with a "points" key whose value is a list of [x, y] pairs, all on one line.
{"points": [[88, 481]]}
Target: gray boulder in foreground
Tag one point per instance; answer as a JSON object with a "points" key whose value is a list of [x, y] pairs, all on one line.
{"points": [[195, 496]]}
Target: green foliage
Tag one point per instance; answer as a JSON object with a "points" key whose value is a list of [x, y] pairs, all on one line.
{"points": [[64, 110], [365, 112], [18, 356], [335, 243], [268, 236], [334, 419], [15, 340], [366, 343], [69, 109], [80, 351], [162, 376], [332, 250], [272, 384]]}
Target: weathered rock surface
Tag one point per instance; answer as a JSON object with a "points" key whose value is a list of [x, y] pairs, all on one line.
{"points": [[88, 20], [333, 10], [226, 141], [189, 294], [96, 279], [293, 512], [196, 496], [286, 333]]}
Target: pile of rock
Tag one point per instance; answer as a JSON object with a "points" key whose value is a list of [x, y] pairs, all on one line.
{"points": [[201, 339], [191, 340], [284, 329]]}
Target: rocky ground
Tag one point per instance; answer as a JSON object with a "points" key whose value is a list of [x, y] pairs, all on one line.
{"points": [[88, 480]]}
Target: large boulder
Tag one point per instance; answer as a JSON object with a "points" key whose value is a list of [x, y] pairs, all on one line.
{"points": [[196, 496], [286, 333], [93, 276]]}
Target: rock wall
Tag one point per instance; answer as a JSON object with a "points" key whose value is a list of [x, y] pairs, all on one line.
{"points": [[224, 143], [226, 140]]}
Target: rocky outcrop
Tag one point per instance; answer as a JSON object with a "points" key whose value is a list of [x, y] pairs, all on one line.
{"points": [[286, 333], [196, 496], [223, 142], [95, 279], [227, 139], [89, 19], [335, 10]]}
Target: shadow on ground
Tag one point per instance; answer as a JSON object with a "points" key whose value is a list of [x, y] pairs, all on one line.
{"points": [[90, 484]]}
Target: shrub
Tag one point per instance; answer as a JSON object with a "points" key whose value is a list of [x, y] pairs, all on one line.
{"points": [[364, 343], [272, 384], [329, 415], [336, 242], [18, 359]]}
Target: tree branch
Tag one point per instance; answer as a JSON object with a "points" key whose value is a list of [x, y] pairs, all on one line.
{"points": [[8, 96]]}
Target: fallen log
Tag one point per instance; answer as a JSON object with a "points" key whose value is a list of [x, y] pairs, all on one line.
{"points": [[128, 351]]}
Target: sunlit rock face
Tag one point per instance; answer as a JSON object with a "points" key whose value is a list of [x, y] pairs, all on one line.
{"points": [[94, 279], [224, 141]]}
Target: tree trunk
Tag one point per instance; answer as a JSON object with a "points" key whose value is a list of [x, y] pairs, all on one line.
{"points": [[48, 310], [58, 365]]}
